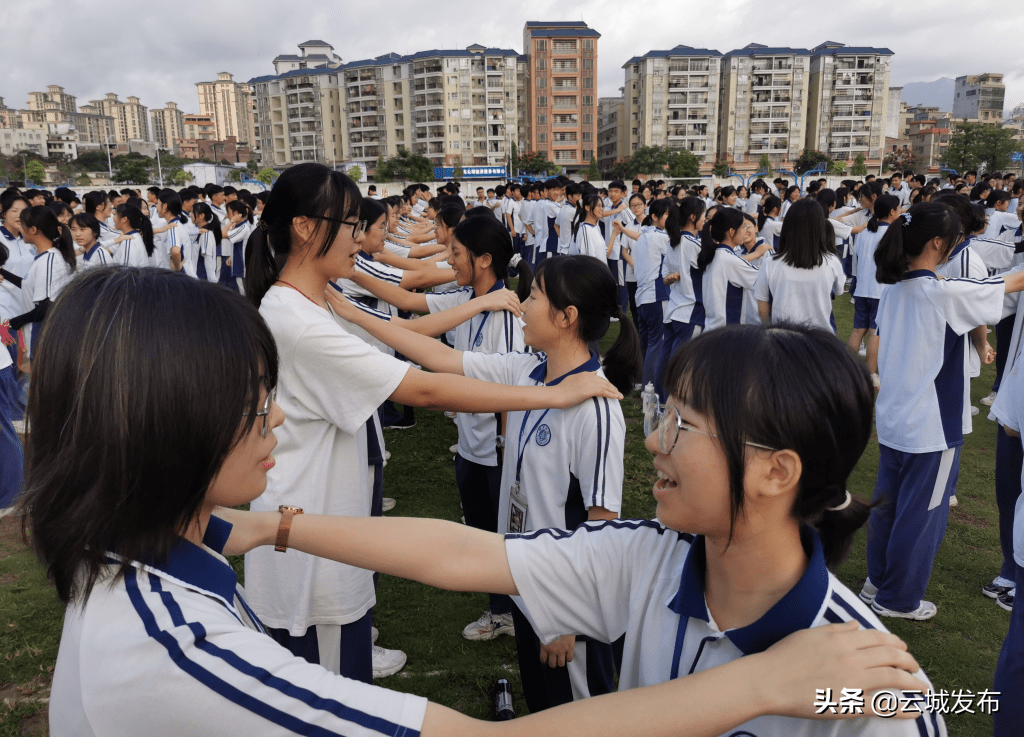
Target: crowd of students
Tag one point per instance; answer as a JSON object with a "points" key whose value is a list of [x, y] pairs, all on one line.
{"points": [[320, 322]]}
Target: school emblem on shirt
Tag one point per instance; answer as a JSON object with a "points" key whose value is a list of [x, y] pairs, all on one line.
{"points": [[479, 339], [543, 435]]}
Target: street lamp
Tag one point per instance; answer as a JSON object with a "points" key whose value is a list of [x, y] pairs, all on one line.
{"points": [[109, 165]]}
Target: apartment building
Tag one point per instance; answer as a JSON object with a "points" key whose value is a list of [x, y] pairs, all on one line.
{"points": [[763, 102], [168, 126], [929, 139], [848, 99], [53, 99], [979, 98], [229, 103], [672, 99], [456, 107], [8, 116], [561, 91], [612, 127], [131, 118], [198, 128]]}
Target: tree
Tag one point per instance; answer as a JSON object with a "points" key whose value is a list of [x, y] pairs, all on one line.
{"points": [[180, 177], [720, 169], [860, 167], [225, 162], [977, 146], [252, 166], [92, 161], [513, 159], [235, 175], [900, 160], [809, 159], [592, 172], [355, 173], [457, 172], [765, 164], [133, 169], [83, 180], [266, 175], [537, 163], [380, 173], [837, 168], [657, 161], [406, 167], [35, 171]]}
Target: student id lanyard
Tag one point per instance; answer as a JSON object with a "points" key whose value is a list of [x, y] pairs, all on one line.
{"points": [[517, 504]]}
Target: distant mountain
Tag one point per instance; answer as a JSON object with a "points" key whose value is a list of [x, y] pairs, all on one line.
{"points": [[931, 94]]}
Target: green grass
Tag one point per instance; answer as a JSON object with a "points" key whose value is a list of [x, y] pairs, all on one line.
{"points": [[958, 648]]}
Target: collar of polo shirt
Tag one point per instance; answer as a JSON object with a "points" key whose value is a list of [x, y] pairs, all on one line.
{"points": [[195, 567], [540, 372]]}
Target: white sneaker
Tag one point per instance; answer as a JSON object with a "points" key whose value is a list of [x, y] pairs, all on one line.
{"points": [[374, 634], [953, 502], [388, 504], [489, 626], [863, 349], [387, 455], [453, 449], [387, 662], [614, 319], [868, 592], [925, 610], [975, 411], [987, 401]]}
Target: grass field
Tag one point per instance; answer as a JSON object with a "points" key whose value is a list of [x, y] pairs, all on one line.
{"points": [[958, 648]]}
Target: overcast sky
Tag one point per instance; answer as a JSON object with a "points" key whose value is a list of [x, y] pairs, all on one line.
{"points": [[158, 52]]}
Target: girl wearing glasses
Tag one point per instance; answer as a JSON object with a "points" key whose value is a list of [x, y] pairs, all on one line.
{"points": [[759, 481], [922, 409], [331, 383], [628, 234]]}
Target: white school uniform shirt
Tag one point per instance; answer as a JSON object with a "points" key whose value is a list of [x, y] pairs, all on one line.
{"points": [[996, 253], [770, 232], [203, 661], [567, 460], [46, 279], [366, 265], [922, 358], [108, 235], [515, 209], [844, 236], [1001, 225], [563, 220], [526, 218], [801, 295], [685, 303], [93, 258], [498, 332], [864, 247], [642, 581], [649, 255], [329, 385], [786, 204], [19, 260], [728, 290], [589, 242], [419, 207], [208, 252], [161, 251], [221, 213], [624, 242], [964, 262], [495, 206], [132, 252], [1008, 407], [752, 204]]}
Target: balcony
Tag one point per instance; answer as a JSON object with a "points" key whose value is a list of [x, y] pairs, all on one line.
{"points": [[302, 112], [563, 47], [771, 66], [424, 118], [564, 67], [693, 65], [769, 115], [565, 88], [496, 102], [430, 68], [773, 80]]}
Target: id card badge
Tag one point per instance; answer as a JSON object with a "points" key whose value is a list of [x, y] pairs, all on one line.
{"points": [[517, 509]]}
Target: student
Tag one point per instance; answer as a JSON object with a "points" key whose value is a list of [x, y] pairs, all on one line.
{"points": [[742, 197], [529, 192], [660, 232], [764, 490], [236, 230], [152, 193], [866, 289], [51, 270], [61, 210], [85, 232], [175, 248], [217, 198], [798, 282], [18, 258], [135, 246], [98, 204], [584, 235], [614, 208], [727, 197], [564, 220], [769, 224], [753, 248], [629, 234], [331, 383], [1002, 220], [547, 244], [758, 191], [513, 219], [684, 314], [209, 242], [921, 411], [1009, 673], [791, 195], [727, 286], [12, 457]]}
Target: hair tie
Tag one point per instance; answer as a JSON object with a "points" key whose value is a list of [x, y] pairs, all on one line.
{"points": [[263, 225], [844, 505], [906, 219], [515, 260]]}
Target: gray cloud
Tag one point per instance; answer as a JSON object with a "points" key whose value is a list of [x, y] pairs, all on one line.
{"points": [[91, 47]]}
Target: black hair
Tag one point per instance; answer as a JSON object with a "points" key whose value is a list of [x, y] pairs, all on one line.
{"points": [[884, 207], [870, 190], [59, 207], [113, 194], [243, 209], [65, 195], [94, 200], [715, 230], [790, 191], [906, 238], [451, 215], [308, 189], [486, 236], [212, 189], [997, 196], [129, 192], [8, 199], [790, 387], [172, 202], [586, 283], [769, 203], [165, 434], [212, 221], [759, 186], [155, 191], [139, 222], [86, 220], [813, 187], [842, 193], [805, 240], [617, 184], [978, 190], [673, 226], [43, 218], [826, 198], [229, 190], [690, 210], [586, 202], [637, 182]]}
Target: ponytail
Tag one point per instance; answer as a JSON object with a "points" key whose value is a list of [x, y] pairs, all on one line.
{"points": [[66, 245], [585, 203], [139, 222], [690, 211], [525, 283], [213, 223], [769, 203], [906, 238], [714, 232], [672, 224], [837, 524], [43, 219], [884, 206]]}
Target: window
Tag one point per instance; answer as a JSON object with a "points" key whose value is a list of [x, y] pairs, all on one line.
{"points": [[588, 100], [588, 119], [542, 82], [542, 138], [588, 44], [542, 120], [542, 64], [542, 102], [541, 44], [588, 83], [396, 87], [588, 63], [588, 137]]}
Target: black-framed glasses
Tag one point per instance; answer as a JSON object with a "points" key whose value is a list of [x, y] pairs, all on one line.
{"points": [[265, 412], [358, 228], [669, 423]]}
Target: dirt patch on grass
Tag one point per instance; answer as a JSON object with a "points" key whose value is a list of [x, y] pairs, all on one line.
{"points": [[8, 578], [10, 536], [971, 520]]}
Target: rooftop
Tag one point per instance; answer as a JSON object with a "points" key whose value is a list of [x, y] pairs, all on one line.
{"points": [[556, 24], [760, 50], [566, 33], [678, 51], [315, 43]]}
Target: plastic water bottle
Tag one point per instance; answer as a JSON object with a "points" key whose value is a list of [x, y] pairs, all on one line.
{"points": [[503, 703], [649, 402]]}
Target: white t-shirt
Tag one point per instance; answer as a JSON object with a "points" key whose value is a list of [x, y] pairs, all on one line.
{"points": [[801, 295], [515, 209], [330, 383], [46, 279], [200, 663], [207, 250], [728, 290], [566, 460], [489, 332], [624, 242], [1002, 225], [864, 246], [366, 265], [526, 208], [161, 250], [922, 358], [753, 201], [95, 257], [770, 231], [964, 262], [996, 253], [19, 260], [649, 256], [132, 252], [563, 220], [588, 242], [1008, 407], [685, 302], [639, 579], [844, 236]]}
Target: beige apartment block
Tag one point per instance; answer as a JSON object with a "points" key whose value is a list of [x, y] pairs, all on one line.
{"points": [[763, 101], [229, 103], [979, 98], [612, 127], [131, 118], [168, 126], [198, 128], [53, 99], [848, 102], [561, 91]]}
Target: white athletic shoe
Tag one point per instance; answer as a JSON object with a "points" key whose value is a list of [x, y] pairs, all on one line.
{"points": [[953, 502], [387, 662], [975, 411], [387, 455], [925, 610], [863, 349], [388, 504], [987, 401], [374, 634], [868, 592], [489, 626], [453, 449]]}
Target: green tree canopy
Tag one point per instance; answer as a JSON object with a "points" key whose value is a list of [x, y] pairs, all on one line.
{"points": [[658, 161], [593, 174], [355, 173], [537, 163], [252, 166], [35, 171], [83, 180], [266, 176], [405, 167], [765, 164], [976, 146], [900, 160], [720, 169], [132, 169], [92, 161], [809, 159], [860, 167]]}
